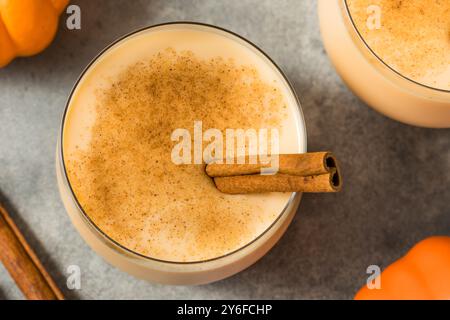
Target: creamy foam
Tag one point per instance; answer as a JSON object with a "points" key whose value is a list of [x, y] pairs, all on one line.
{"points": [[414, 37], [117, 141]]}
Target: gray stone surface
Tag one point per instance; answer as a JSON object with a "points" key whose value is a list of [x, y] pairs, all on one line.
{"points": [[396, 176]]}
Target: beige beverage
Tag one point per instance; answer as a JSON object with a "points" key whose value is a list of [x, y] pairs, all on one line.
{"points": [[394, 54], [413, 37], [156, 219]]}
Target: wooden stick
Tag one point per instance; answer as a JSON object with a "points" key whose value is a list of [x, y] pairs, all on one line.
{"points": [[328, 182], [22, 263], [305, 164]]}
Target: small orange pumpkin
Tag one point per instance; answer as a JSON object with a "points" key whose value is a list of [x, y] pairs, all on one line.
{"points": [[422, 274], [27, 26]]}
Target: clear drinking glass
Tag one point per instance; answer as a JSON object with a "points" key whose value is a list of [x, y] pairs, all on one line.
{"points": [[167, 272], [371, 79]]}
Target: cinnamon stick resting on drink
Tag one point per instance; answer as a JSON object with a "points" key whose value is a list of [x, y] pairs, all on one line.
{"points": [[302, 164], [308, 172]]}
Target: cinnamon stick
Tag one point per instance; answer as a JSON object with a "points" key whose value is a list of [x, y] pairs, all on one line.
{"points": [[328, 182], [22, 263], [309, 172], [303, 164]]}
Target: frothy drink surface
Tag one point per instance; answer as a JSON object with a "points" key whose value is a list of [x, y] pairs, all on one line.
{"points": [[413, 38], [117, 144]]}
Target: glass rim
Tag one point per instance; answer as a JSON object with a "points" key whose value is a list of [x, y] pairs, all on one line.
{"points": [[373, 53], [110, 241]]}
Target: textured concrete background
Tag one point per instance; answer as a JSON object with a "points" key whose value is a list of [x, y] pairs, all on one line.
{"points": [[397, 177]]}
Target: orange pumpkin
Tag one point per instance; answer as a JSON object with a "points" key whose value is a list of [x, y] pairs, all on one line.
{"points": [[27, 26], [422, 274]]}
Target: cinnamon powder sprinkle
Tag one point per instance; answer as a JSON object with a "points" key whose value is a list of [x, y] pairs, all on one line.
{"points": [[414, 38], [125, 180]]}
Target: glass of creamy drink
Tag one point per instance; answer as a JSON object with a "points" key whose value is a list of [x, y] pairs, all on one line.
{"points": [[393, 54], [132, 204]]}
